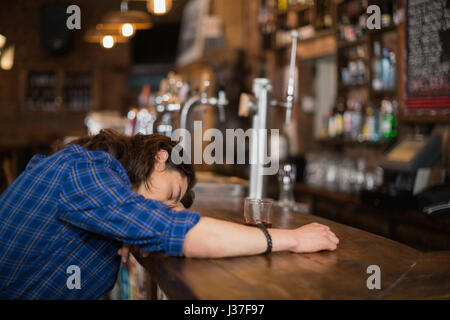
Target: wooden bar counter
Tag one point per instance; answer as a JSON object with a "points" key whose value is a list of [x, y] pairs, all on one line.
{"points": [[341, 274]]}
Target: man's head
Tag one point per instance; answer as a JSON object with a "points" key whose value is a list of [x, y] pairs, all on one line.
{"points": [[146, 158]]}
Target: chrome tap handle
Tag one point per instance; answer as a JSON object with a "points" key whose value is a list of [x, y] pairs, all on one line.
{"points": [[221, 103], [295, 35], [205, 88]]}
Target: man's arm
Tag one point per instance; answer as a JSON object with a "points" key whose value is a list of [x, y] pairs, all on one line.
{"points": [[212, 238]]}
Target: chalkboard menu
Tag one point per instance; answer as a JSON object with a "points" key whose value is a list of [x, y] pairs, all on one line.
{"points": [[428, 54]]}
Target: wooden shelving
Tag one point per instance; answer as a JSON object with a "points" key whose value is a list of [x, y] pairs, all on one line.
{"points": [[296, 8], [346, 87], [340, 142], [362, 50], [346, 44], [60, 91], [391, 28]]}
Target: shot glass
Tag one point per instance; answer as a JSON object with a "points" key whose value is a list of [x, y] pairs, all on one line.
{"points": [[258, 211]]}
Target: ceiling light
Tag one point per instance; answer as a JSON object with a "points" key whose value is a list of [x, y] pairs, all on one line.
{"points": [[7, 58], [118, 20], [127, 30], [159, 7], [108, 42], [96, 35], [2, 40]]}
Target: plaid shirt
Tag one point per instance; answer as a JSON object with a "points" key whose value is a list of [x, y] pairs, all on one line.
{"points": [[77, 207]]}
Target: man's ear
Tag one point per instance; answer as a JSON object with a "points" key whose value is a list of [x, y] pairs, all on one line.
{"points": [[161, 158]]}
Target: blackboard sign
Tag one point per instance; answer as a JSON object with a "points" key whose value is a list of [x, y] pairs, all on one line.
{"points": [[428, 54]]}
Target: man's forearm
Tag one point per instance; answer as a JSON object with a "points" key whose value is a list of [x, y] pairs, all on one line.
{"points": [[212, 238]]}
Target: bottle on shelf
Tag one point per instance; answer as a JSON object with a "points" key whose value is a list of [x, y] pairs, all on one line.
{"points": [[348, 121], [386, 14], [393, 73], [360, 71], [369, 124], [282, 4], [352, 120], [386, 69], [389, 119], [323, 18], [376, 125], [267, 25], [340, 109], [332, 125], [376, 67], [352, 24], [356, 121]]}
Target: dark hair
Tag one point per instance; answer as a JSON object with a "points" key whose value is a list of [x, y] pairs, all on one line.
{"points": [[137, 155]]}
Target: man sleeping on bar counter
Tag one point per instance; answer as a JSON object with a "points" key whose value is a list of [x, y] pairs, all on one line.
{"points": [[86, 205]]}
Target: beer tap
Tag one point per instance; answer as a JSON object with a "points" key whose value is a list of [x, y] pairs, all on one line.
{"points": [[257, 105], [166, 103], [220, 102]]}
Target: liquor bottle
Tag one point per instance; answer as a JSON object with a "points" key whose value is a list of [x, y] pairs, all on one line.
{"points": [[340, 109], [267, 25], [348, 119], [376, 67], [282, 4], [369, 124], [386, 14], [360, 71], [376, 125], [332, 125], [393, 74], [362, 20], [328, 14], [389, 124], [386, 68], [320, 10], [356, 121]]}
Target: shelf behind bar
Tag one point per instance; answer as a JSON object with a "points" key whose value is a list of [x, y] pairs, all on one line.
{"points": [[339, 142], [390, 28], [296, 8], [346, 87], [359, 41]]}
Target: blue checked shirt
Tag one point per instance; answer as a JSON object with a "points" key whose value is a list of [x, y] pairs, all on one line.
{"points": [[76, 208]]}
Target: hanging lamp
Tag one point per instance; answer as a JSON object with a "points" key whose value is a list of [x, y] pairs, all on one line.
{"points": [[107, 38], [159, 7], [125, 21]]}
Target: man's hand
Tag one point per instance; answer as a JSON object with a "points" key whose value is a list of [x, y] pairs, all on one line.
{"points": [[314, 237]]}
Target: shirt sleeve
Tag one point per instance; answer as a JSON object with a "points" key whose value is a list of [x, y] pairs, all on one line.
{"points": [[95, 198]]}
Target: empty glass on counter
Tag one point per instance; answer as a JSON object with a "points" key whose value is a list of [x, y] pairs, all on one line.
{"points": [[286, 180], [258, 211], [286, 200]]}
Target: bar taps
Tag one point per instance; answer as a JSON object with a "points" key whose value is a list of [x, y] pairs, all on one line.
{"points": [[166, 103], [295, 35], [220, 102], [257, 105]]}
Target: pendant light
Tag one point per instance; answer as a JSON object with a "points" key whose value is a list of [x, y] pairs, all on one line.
{"points": [[7, 58], [159, 7], [125, 21], [2, 41], [107, 38]]}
